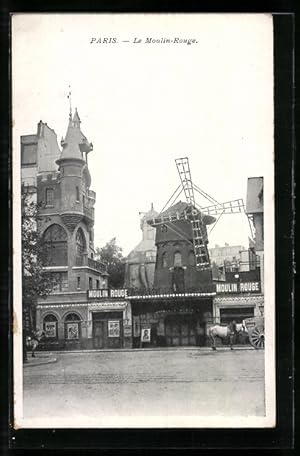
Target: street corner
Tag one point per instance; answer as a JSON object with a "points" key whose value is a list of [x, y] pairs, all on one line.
{"points": [[39, 360]]}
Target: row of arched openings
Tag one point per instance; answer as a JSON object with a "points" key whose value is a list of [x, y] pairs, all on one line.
{"points": [[55, 240], [177, 259], [72, 329]]}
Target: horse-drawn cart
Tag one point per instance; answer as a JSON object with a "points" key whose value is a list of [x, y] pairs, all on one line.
{"points": [[256, 331]]}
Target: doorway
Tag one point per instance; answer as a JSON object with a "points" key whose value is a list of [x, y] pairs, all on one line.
{"points": [[180, 330], [107, 330], [99, 335]]}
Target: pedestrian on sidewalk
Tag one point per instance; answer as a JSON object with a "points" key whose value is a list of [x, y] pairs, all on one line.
{"points": [[35, 339]]}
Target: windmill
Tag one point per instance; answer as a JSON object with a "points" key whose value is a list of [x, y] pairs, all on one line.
{"points": [[197, 215]]}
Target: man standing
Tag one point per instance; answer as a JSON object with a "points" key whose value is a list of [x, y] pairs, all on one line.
{"points": [[232, 333]]}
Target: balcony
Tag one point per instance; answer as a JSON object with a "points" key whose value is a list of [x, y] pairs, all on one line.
{"points": [[88, 214], [94, 264], [91, 195]]}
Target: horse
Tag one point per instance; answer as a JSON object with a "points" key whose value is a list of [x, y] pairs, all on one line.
{"points": [[224, 331], [33, 341]]}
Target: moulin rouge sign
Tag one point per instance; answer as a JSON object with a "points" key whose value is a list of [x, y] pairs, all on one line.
{"points": [[105, 293], [242, 287]]}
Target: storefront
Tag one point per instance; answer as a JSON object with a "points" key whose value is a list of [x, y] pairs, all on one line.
{"points": [[237, 301], [86, 321], [110, 324], [171, 320]]}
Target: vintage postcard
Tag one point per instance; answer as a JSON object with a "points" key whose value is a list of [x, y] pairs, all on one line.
{"points": [[143, 214]]}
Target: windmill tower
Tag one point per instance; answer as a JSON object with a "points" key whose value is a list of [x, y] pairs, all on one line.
{"points": [[182, 262]]}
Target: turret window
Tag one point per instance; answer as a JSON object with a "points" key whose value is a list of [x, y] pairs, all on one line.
{"points": [[80, 247], [77, 194], [55, 239], [49, 197]]}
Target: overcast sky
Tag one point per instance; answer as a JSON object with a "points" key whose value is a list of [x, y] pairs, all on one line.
{"points": [[143, 105]]}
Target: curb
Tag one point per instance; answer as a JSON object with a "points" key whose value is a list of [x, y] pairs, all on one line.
{"points": [[161, 349], [40, 362]]}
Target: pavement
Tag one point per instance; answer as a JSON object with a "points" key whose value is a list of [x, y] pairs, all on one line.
{"points": [[47, 357], [39, 359], [148, 382]]}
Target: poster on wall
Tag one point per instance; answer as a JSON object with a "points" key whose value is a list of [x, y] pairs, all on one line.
{"points": [[72, 331], [127, 330], [50, 329], [113, 328], [146, 335]]}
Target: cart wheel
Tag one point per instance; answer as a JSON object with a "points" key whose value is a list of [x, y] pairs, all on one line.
{"points": [[257, 339]]}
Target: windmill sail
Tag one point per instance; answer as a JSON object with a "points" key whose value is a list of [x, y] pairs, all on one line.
{"points": [[196, 219]]}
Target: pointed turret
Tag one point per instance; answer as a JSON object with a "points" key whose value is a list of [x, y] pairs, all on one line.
{"points": [[141, 260], [148, 216], [76, 119], [74, 175], [75, 142]]}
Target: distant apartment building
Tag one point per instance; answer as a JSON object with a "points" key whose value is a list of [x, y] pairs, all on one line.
{"points": [[227, 254]]}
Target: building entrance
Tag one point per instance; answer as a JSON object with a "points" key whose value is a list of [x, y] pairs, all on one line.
{"points": [[107, 330], [99, 334], [180, 330]]}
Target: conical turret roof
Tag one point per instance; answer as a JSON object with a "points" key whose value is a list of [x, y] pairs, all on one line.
{"points": [[75, 142], [149, 215]]}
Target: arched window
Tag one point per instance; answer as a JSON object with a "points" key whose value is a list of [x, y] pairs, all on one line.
{"points": [[164, 261], [55, 239], [80, 247], [50, 326], [192, 261], [177, 259], [72, 327]]}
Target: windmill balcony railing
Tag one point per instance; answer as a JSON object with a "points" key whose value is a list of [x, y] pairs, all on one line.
{"points": [[171, 293]]}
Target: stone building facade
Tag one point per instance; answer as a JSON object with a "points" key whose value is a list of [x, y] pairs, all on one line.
{"points": [[59, 180]]}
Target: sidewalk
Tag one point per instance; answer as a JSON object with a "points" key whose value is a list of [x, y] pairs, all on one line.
{"points": [[132, 350], [39, 359]]}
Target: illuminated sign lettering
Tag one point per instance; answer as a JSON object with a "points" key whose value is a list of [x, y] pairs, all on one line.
{"points": [[104, 293], [242, 287]]}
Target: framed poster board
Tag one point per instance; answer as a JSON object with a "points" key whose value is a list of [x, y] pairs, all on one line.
{"points": [[113, 328], [146, 335]]}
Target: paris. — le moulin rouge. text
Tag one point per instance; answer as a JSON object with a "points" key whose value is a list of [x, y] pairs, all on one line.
{"points": [[136, 40]]}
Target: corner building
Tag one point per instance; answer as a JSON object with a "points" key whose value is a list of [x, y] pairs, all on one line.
{"points": [[60, 181]]}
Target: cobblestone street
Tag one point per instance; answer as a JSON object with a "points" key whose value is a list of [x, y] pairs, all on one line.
{"points": [[169, 382]]}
